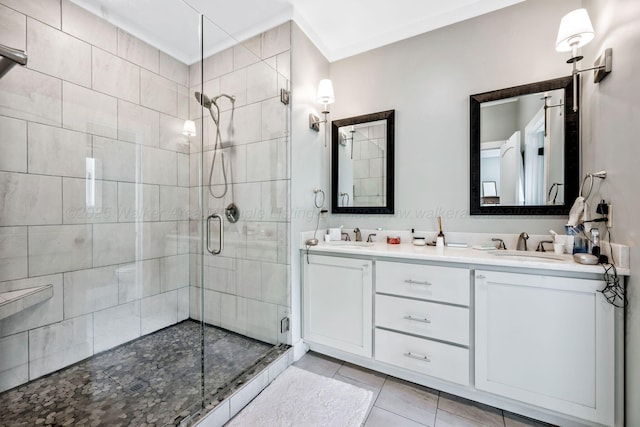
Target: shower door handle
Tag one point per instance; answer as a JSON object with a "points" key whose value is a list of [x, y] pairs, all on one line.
{"points": [[220, 235]]}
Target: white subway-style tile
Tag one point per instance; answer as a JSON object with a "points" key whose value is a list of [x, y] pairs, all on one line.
{"points": [[56, 151], [59, 345], [89, 111], [13, 137], [30, 199], [86, 291], [88, 27], [58, 54], [30, 95], [115, 76]]}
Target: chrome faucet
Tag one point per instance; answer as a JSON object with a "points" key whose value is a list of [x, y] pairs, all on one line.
{"points": [[540, 247], [501, 244], [358, 234], [369, 238], [346, 236], [522, 242]]}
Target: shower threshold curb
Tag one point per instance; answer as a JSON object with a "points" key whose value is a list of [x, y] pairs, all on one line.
{"points": [[220, 412]]}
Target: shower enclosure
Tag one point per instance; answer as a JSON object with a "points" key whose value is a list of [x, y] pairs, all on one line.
{"points": [[141, 280]]}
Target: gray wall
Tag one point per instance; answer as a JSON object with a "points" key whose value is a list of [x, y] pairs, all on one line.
{"points": [[428, 79], [611, 125]]}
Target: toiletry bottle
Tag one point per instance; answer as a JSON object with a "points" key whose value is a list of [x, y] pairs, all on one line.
{"points": [[594, 244]]}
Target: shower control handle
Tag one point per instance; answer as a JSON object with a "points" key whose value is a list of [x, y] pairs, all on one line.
{"points": [[220, 234]]}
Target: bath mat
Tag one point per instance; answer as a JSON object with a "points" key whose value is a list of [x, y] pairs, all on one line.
{"points": [[301, 398]]}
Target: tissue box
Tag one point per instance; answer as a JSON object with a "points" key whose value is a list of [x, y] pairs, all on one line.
{"points": [[335, 234]]}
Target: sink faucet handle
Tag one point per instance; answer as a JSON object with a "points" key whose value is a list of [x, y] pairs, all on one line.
{"points": [[540, 247], [346, 236], [501, 244], [369, 238]]}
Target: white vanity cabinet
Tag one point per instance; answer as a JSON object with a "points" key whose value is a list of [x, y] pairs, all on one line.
{"points": [[546, 341], [422, 319], [337, 303]]}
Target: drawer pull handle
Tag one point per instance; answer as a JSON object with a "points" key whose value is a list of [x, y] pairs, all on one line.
{"points": [[418, 357], [418, 319], [416, 282]]}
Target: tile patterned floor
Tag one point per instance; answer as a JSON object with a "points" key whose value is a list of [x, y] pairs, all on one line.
{"points": [[399, 403], [152, 381]]}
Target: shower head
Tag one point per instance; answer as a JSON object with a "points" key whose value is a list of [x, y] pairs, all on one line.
{"points": [[203, 99]]}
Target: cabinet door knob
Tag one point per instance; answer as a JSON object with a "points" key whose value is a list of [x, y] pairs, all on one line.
{"points": [[480, 277]]}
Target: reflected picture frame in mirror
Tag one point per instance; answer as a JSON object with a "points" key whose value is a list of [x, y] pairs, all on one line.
{"points": [[363, 144], [556, 193]]}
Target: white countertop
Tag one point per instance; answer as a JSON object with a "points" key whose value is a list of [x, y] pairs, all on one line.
{"points": [[462, 256]]}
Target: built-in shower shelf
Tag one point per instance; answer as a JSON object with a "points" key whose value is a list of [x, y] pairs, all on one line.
{"points": [[13, 302]]}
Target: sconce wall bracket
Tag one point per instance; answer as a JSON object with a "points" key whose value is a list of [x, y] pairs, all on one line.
{"points": [[603, 65], [314, 122]]}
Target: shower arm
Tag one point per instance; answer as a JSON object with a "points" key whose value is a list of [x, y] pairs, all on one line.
{"points": [[10, 57]]}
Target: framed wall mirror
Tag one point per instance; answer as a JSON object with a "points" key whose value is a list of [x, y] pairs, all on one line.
{"points": [[362, 157], [524, 150]]}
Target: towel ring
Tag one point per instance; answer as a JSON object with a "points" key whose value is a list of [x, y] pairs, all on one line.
{"points": [[590, 176], [319, 191]]}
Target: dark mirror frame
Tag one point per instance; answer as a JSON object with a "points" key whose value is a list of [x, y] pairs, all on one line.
{"points": [[571, 149], [388, 208]]}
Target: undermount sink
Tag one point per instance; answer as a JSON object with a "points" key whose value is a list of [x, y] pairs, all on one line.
{"points": [[349, 244], [530, 256]]}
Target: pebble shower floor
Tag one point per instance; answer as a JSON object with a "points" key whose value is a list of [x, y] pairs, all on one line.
{"points": [[152, 381]]}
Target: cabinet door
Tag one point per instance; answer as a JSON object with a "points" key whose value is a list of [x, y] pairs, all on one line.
{"points": [[337, 303], [547, 341]]}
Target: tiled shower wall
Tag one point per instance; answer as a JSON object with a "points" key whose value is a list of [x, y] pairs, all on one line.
{"points": [[120, 265], [247, 288], [369, 148]]}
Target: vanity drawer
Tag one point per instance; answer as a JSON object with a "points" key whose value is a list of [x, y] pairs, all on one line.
{"points": [[428, 319], [427, 357], [446, 284]]}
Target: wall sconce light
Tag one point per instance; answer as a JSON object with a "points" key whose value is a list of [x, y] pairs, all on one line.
{"points": [[576, 31], [325, 96], [189, 128]]}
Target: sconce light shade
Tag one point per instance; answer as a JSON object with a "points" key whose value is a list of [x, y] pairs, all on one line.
{"points": [[575, 30], [325, 92], [189, 128]]}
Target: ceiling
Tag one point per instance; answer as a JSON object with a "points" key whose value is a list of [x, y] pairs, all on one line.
{"points": [[339, 28]]}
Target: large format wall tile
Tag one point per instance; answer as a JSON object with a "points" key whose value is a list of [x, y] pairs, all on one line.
{"points": [[47, 11], [174, 203], [89, 111], [114, 243], [159, 166], [13, 29], [30, 95], [58, 248], [56, 151], [115, 326], [159, 311], [58, 54], [135, 50], [78, 208], [173, 69], [88, 27], [158, 93], [138, 124], [13, 253], [13, 139], [262, 82], [276, 40], [115, 76], [30, 199], [138, 280], [174, 272], [171, 137], [138, 202], [159, 239], [14, 360], [45, 313], [267, 160], [86, 291], [218, 64], [118, 161], [59, 345]]}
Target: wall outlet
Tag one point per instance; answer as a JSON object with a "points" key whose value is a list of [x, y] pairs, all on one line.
{"points": [[284, 325], [610, 217]]}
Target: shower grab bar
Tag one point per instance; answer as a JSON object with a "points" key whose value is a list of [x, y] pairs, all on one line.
{"points": [[220, 234]]}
